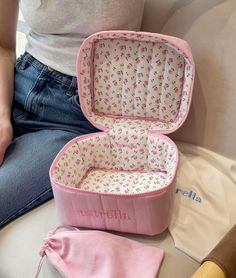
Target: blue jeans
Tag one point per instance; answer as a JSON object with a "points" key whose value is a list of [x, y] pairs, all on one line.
{"points": [[45, 116]]}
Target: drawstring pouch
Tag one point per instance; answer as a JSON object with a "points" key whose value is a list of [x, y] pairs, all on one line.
{"points": [[95, 254]]}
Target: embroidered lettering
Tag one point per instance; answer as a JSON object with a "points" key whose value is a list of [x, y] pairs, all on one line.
{"points": [[189, 194], [111, 214]]}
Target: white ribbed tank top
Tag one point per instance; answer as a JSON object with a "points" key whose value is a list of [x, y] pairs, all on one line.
{"points": [[58, 27]]}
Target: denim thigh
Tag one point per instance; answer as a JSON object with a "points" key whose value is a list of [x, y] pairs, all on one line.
{"points": [[46, 99], [24, 175], [46, 114]]}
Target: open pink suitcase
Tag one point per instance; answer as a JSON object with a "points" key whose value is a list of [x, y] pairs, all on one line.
{"points": [[136, 87]]}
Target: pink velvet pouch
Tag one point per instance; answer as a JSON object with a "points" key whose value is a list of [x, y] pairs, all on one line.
{"points": [[96, 254]]}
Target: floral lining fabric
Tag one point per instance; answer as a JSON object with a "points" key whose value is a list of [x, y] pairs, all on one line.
{"points": [[135, 86], [135, 77], [94, 164]]}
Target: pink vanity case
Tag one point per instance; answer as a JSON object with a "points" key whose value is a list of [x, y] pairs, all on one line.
{"points": [[135, 87]]}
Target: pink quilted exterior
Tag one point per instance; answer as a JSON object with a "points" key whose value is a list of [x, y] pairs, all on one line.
{"points": [[136, 87]]}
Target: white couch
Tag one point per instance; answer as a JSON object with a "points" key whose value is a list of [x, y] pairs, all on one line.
{"points": [[209, 27]]}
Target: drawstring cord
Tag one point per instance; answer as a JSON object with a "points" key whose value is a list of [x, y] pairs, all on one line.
{"points": [[39, 267], [45, 245]]}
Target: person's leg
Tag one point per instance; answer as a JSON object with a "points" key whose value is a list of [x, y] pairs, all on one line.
{"points": [[46, 99], [46, 115], [24, 175]]}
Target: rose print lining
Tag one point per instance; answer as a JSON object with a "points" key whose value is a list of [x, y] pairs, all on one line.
{"points": [[143, 77], [89, 164], [134, 87]]}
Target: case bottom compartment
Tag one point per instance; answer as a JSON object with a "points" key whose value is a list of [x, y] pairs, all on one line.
{"points": [[122, 182]]}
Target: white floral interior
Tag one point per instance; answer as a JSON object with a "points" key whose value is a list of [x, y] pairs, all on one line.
{"points": [[131, 84], [105, 164], [135, 77]]}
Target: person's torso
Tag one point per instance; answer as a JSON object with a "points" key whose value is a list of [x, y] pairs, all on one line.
{"points": [[57, 27]]}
